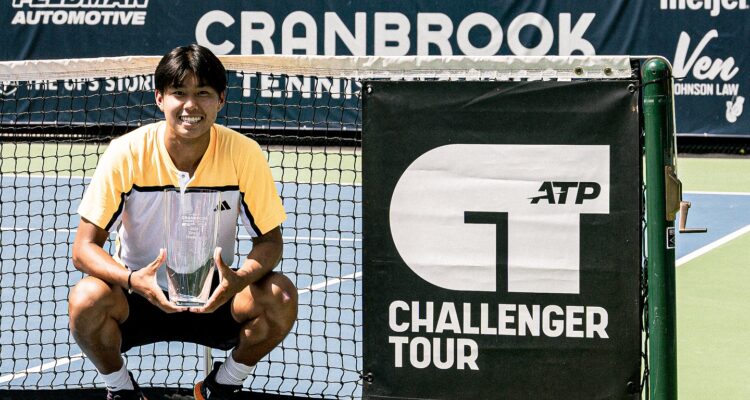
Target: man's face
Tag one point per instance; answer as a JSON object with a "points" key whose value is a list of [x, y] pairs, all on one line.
{"points": [[189, 109]]}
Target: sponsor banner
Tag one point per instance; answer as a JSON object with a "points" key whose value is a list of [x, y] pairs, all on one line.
{"points": [[253, 101], [703, 39], [501, 240]]}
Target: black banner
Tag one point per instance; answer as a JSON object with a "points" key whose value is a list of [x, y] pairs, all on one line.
{"points": [[501, 240]]}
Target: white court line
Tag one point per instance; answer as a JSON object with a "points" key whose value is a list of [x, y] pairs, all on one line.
{"points": [[56, 177], [329, 282], [705, 249], [244, 237], [80, 356], [311, 238], [16, 229], [52, 364], [721, 193], [88, 178]]}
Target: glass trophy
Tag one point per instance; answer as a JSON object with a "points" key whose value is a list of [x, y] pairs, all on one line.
{"points": [[191, 223]]}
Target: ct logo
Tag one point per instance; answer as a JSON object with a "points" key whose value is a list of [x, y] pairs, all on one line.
{"points": [[445, 209]]}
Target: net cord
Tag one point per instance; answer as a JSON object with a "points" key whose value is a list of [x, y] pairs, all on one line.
{"points": [[365, 67]]}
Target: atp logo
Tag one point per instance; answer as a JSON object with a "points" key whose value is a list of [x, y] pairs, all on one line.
{"points": [[454, 204], [562, 196]]}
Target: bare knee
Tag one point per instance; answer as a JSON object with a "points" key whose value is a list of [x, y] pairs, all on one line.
{"points": [[91, 302], [273, 309], [282, 301], [88, 294]]}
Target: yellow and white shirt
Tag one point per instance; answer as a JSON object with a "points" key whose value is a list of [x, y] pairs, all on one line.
{"points": [[126, 191]]}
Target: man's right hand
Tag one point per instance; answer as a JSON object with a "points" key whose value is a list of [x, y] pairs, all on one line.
{"points": [[143, 282]]}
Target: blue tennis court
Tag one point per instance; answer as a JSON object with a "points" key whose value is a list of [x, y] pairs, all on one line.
{"points": [[724, 214], [322, 255], [322, 355]]}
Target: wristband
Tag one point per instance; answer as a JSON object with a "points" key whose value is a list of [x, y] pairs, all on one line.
{"points": [[130, 288]]}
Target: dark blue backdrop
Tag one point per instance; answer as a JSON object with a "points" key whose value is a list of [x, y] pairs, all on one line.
{"points": [[704, 39]]}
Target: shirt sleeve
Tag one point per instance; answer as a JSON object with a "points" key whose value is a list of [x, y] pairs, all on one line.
{"points": [[262, 208], [103, 200]]}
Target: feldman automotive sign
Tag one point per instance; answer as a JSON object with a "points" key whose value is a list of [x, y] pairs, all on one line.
{"points": [[79, 12]]}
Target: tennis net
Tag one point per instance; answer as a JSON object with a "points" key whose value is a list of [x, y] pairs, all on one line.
{"points": [[56, 119]]}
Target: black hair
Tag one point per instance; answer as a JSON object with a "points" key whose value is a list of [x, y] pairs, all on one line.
{"points": [[195, 60]]}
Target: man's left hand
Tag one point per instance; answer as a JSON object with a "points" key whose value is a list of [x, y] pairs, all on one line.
{"points": [[231, 284]]}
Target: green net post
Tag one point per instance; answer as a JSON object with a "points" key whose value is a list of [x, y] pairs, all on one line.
{"points": [[659, 134]]}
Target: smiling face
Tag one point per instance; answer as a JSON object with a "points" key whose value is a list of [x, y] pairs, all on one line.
{"points": [[190, 108]]}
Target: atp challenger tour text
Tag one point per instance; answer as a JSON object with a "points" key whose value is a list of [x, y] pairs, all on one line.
{"points": [[570, 321]]}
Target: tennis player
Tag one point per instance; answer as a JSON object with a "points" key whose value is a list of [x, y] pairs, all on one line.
{"points": [[122, 301]]}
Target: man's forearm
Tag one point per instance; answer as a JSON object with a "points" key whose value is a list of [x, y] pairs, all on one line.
{"points": [[263, 258], [91, 259]]}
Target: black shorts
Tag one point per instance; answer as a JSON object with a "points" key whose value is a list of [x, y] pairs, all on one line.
{"points": [[148, 324]]}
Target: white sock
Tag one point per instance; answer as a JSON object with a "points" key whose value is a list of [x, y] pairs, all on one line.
{"points": [[233, 373], [118, 380]]}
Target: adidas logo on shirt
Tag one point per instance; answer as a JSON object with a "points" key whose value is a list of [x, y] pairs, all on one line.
{"points": [[224, 206]]}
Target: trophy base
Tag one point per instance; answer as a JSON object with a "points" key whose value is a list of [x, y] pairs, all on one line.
{"points": [[190, 289], [188, 303]]}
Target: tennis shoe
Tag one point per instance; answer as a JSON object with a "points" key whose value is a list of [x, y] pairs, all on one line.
{"points": [[209, 389], [134, 394]]}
